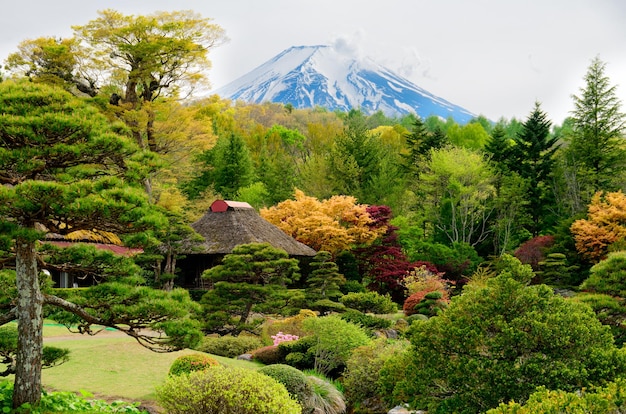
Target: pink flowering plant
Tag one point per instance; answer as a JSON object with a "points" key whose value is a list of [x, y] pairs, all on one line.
{"points": [[282, 337]]}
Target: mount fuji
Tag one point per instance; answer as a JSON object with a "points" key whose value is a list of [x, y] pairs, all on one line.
{"points": [[310, 76]]}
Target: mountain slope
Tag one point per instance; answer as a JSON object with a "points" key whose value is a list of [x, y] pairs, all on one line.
{"points": [[309, 76]]}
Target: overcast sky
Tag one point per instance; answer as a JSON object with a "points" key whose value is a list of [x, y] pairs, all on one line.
{"points": [[492, 57]]}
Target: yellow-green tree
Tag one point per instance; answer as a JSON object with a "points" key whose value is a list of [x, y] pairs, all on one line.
{"points": [[146, 57], [134, 60], [335, 224]]}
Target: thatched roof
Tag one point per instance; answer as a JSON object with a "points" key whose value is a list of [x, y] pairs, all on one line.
{"points": [[228, 224]]}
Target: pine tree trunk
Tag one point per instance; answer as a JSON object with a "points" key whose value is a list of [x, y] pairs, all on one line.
{"points": [[27, 387]]}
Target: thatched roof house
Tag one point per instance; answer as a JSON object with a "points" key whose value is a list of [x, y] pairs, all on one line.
{"points": [[228, 224]]}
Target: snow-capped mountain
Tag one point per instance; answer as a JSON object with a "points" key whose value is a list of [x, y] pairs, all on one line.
{"points": [[310, 76]]}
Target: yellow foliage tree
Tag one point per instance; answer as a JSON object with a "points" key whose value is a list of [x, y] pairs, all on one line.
{"points": [[605, 224], [335, 224]]}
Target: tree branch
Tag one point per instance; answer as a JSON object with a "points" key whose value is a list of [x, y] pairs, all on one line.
{"points": [[152, 340], [8, 317]]}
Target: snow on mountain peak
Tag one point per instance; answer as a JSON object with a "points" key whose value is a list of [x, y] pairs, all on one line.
{"points": [[309, 76]]}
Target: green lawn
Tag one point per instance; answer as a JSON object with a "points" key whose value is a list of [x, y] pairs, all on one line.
{"points": [[111, 366]]}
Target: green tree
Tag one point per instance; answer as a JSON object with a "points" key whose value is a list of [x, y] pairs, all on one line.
{"points": [[136, 59], [355, 159], [419, 141], [472, 135], [458, 185], [50, 60], [498, 342], [253, 276], [498, 148], [227, 167], [533, 159], [64, 169], [324, 281], [333, 341], [597, 136]]}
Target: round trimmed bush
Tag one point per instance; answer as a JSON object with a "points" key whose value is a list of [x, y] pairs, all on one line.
{"points": [[369, 302], [293, 379], [225, 390], [189, 363], [271, 354], [229, 346]]}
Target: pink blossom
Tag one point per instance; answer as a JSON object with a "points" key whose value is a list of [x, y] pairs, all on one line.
{"points": [[281, 337]]}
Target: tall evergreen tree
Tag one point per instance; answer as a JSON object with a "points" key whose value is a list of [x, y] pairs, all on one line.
{"points": [[419, 143], [597, 140], [227, 166], [532, 158], [498, 147], [355, 160]]}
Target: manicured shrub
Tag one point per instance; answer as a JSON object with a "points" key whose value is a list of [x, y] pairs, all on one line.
{"points": [[186, 364], [333, 341], [300, 360], [608, 276], [366, 321], [353, 286], [268, 355], [610, 399], [229, 346], [369, 302], [225, 390], [293, 379], [499, 342], [610, 310], [298, 353], [428, 303]]}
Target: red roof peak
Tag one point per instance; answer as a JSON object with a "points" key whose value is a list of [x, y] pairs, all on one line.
{"points": [[220, 206]]}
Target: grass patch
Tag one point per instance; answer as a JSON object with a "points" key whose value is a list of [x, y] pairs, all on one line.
{"points": [[116, 367], [112, 366]]}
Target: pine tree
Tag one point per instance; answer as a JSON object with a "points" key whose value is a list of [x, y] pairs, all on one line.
{"points": [[533, 159], [325, 279], [63, 169], [419, 143], [597, 140], [254, 275]]}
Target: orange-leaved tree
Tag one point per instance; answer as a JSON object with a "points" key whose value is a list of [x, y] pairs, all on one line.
{"points": [[335, 224], [605, 224]]}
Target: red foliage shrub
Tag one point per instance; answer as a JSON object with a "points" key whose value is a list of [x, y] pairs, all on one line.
{"points": [[384, 262], [411, 304], [268, 355], [533, 251]]}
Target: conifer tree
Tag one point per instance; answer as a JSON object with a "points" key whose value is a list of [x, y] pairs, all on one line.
{"points": [[532, 158], [597, 140], [325, 279], [249, 278], [419, 143], [64, 169]]}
